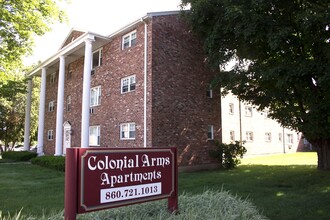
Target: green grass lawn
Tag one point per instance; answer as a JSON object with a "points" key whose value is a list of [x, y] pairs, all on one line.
{"points": [[281, 186]]}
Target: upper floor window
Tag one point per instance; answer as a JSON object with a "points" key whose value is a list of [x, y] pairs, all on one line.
{"points": [[129, 40], [50, 135], [68, 103], [52, 77], [51, 106], [128, 84], [231, 108], [248, 111], [94, 135], [268, 137], [95, 96], [210, 132], [97, 58], [249, 136], [127, 131]]}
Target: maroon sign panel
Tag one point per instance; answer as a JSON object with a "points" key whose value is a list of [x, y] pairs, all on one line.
{"points": [[112, 177]]}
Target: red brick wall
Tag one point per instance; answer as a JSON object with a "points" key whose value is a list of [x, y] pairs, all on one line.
{"points": [[181, 110]]}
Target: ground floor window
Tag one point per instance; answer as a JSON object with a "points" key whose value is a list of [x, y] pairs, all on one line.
{"points": [[127, 131], [210, 132], [94, 135], [50, 135]]}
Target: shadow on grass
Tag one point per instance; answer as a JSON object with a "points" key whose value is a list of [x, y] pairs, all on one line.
{"points": [[280, 192]]}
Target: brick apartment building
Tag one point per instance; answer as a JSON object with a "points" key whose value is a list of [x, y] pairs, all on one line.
{"points": [[146, 85]]}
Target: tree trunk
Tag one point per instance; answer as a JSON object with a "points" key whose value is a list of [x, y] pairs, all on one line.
{"points": [[323, 153]]}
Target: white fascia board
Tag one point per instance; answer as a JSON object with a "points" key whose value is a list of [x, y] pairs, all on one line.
{"points": [[67, 50]]}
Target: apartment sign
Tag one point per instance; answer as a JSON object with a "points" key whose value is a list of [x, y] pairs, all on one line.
{"points": [[113, 177]]}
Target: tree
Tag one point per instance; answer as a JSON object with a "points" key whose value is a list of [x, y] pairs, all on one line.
{"points": [[19, 21], [282, 54], [12, 107]]}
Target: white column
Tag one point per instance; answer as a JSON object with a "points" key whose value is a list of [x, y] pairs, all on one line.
{"points": [[41, 117], [28, 116], [86, 94], [59, 110]]}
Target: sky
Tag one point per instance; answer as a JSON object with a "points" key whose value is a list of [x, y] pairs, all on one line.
{"points": [[99, 16]]}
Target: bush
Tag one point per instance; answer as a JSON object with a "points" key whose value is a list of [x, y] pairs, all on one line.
{"points": [[228, 155], [52, 162], [19, 155]]}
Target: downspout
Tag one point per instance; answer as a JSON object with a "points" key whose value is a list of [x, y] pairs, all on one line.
{"points": [[145, 84]]}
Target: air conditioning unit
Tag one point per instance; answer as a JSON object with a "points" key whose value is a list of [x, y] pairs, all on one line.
{"points": [[91, 110]]}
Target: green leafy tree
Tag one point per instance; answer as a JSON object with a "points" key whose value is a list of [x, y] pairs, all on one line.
{"points": [[20, 21], [12, 107], [282, 54]]}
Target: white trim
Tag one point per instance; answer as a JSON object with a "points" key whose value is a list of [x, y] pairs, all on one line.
{"points": [[27, 116], [210, 130], [145, 68]]}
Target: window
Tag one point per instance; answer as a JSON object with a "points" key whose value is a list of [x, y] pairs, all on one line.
{"points": [[50, 135], [232, 135], [265, 114], [210, 132], [248, 111], [249, 136], [94, 135], [280, 137], [68, 103], [289, 138], [128, 84], [268, 137], [209, 92], [129, 40], [95, 98], [51, 106], [52, 77], [97, 58], [231, 108], [127, 131]]}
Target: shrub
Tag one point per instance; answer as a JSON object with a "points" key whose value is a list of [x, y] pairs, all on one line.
{"points": [[52, 162], [228, 155], [19, 155]]}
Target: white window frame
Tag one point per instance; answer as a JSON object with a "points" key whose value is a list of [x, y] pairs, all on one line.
{"points": [[129, 40], [127, 131], [231, 108], [129, 83], [248, 111], [52, 78], [51, 106], [95, 96], [249, 136], [210, 132], [50, 135], [94, 135], [268, 136], [99, 54]]}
